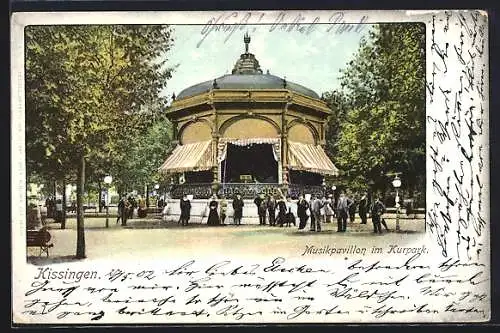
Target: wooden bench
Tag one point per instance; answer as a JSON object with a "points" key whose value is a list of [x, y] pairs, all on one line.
{"points": [[39, 238]]}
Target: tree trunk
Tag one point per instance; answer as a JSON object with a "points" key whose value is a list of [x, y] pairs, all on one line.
{"points": [[54, 200], [63, 221], [147, 196], [100, 197], [80, 231]]}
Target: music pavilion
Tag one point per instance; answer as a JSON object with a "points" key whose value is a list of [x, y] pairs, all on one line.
{"points": [[248, 132]]}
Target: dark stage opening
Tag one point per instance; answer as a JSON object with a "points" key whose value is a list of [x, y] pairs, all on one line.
{"points": [[199, 177], [305, 178], [251, 163]]}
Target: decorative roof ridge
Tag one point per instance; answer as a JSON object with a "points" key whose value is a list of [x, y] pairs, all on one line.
{"points": [[247, 63]]}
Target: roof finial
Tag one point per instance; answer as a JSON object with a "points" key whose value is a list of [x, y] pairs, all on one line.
{"points": [[246, 39]]}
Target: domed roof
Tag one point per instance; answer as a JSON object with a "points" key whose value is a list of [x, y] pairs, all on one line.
{"points": [[247, 75], [246, 81]]}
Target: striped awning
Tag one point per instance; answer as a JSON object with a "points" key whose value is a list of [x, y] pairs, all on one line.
{"points": [[189, 157], [309, 157]]}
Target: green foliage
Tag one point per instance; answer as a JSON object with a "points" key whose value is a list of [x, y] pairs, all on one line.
{"points": [[89, 89], [144, 154], [379, 125]]}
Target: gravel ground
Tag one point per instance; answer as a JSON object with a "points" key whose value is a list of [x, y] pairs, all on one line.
{"points": [[154, 238]]}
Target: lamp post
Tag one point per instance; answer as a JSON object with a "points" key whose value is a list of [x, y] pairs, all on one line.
{"points": [[157, 186], [396, 182], [334, 201], [333, 193], [107, 181]]}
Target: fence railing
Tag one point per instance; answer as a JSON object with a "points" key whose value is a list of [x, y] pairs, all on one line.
{"points": [[246, 190]]}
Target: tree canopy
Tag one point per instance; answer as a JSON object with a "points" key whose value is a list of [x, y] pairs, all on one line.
{"points": [[379, 121], [143, 156], [87, 87], [89, 90]]}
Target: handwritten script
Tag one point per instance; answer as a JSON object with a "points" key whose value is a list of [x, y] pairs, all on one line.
{"points": [[456, 111], [274, 289], [231, 22], [323, 283]]}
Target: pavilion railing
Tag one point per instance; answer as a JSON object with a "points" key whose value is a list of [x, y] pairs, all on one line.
{"points": [[197, 190], [294, 190], [246, 190]]}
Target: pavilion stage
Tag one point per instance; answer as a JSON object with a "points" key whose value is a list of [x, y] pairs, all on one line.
{"points": [[248, 192]]}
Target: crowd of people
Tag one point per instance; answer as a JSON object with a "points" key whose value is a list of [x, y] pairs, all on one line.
{"points": [[128, 205], [282, 211], [54, 209]]}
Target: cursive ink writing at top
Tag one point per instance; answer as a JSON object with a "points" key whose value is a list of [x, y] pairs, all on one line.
{"points": [[297, 24], [226, 22], [231, 22]]}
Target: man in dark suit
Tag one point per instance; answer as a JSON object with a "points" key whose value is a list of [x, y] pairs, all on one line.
{"points": [[378, 210], [271, 209], [261, 209], [185, 210], [257, 201], [343, 205], [316, 206], [363, 207], [302, 208], [238, 209]]}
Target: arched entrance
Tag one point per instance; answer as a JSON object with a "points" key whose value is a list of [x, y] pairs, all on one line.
{"points": [[250, 163]]}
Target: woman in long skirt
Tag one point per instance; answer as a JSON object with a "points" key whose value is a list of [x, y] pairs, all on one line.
{"points": [[223, 209], [213, 215], [289, 216], [302, 212], [281, 212]]}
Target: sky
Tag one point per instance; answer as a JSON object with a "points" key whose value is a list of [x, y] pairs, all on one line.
{"points": [[310, 59]]}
